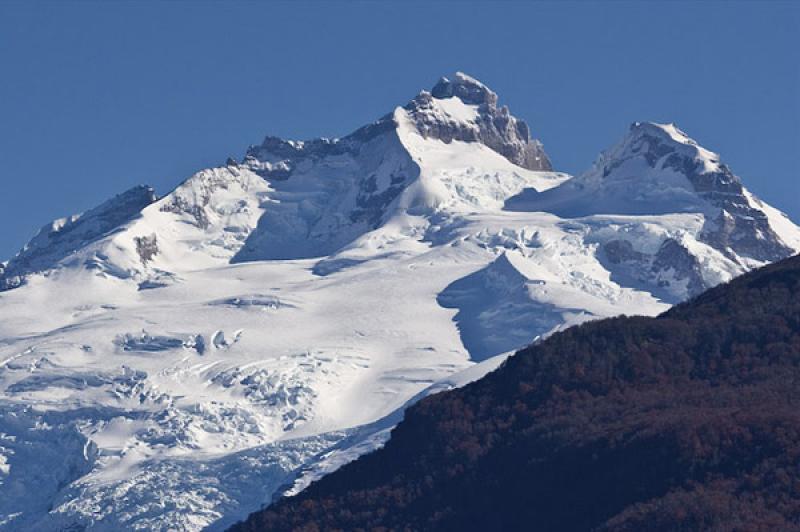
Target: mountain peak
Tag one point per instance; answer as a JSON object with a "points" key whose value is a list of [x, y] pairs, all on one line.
{"points": [[658, 169], [461, 109], [656, 141], [468, 89], [466, 110], [669, 129]]}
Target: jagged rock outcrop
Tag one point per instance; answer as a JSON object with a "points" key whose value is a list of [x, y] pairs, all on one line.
{"points": [[492, 125]]}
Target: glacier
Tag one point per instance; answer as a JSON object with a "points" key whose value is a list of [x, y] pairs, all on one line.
{"points": [[176, 363]]}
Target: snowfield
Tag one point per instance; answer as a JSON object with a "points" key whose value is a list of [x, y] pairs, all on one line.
{"points": [[176, 363]]}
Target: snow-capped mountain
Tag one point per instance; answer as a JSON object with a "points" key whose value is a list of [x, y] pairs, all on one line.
{"points": [[175, 363], [658, 170]]}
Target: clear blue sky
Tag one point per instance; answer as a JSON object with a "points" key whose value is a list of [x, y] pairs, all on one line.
{"points": [[96, 97]]}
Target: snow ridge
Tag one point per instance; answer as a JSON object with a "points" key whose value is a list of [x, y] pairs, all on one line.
{"points": [[60, 238]]}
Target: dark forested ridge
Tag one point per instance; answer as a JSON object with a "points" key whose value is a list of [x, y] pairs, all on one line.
{"points": [[688, 421]]}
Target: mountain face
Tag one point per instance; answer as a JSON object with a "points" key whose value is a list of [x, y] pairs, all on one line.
{"points": [[332, 191], [658, 169], [176, 362], [490, 125], [687, 421]]}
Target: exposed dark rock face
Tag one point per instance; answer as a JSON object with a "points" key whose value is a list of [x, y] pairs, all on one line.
{"points": [[673, 258], [688, 421], [146, 247], [738, 226], [746, 231], [275, 159], [619, 251], [371, 203], [179, 205], [61, 238], [468, 90], [495, 127], [671, 263]]}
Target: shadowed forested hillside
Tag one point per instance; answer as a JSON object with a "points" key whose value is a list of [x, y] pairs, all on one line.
{"points": [[688, 421]]}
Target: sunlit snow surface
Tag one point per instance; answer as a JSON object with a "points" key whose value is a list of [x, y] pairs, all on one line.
{"points": [[178, 391]]}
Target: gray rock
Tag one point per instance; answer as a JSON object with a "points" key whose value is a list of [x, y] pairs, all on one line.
{"points": [[146, 247], [672, 257], [737, 226], [496, 127], [655, 272], [619, 251]]}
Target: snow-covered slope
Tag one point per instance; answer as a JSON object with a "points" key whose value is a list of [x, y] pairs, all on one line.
{"points": [[60, 239], [658, 169], [174, 364]]}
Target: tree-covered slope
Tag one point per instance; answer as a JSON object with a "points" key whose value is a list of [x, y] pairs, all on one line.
{"points": [[687, 421]]}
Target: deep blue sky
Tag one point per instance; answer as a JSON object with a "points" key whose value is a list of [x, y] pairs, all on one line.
{"points": [[96, 97]]}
